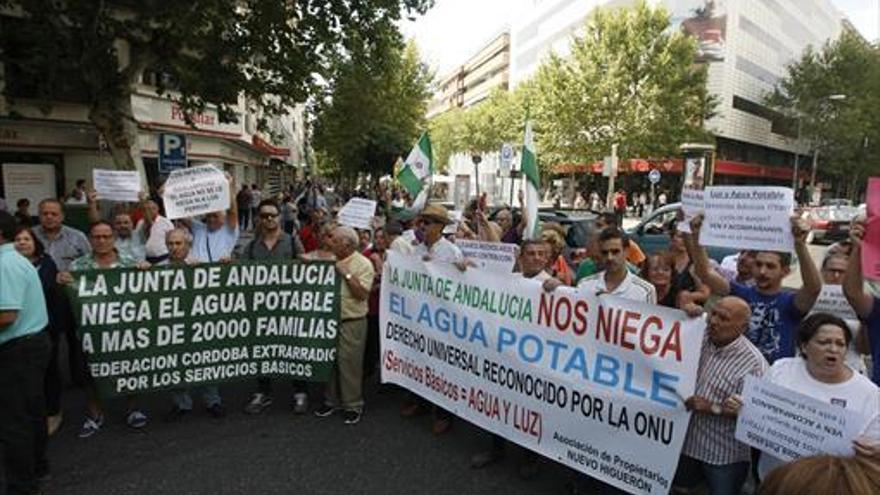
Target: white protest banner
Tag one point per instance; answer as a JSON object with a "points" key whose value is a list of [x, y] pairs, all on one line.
{"points": [[691, 206], [357, 213], [117, 185], [748, 217], [455, 216], [593, 382], [790, 425], [499, 257], [195, 191]]}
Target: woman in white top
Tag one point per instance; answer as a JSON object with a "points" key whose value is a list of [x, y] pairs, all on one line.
{"points": [[821, 372]]}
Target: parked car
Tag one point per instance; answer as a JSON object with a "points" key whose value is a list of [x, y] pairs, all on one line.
{"points": [[830, 223], [652, 233]]}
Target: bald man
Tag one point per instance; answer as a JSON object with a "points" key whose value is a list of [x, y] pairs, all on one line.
{"points": [[711, 454]]}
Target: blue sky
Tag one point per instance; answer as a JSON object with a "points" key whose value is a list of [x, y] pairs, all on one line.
{"points": [[453, 29]]}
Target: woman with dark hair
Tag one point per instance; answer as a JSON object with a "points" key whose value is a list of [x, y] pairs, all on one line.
{"points": [[29, 246], [820, 372], [658, 269]]}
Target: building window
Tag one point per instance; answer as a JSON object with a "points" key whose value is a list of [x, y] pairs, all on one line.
{"points": [[779, 123], [756, 71]]}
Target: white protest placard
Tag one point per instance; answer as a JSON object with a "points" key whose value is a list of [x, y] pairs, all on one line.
{"points": [[117, 185], [455, 216], [32, 181], [790, 425], [691, 206], [748, 217], [592, 382], [357, 213], [832, 301], [498, 257], [195, 191]]}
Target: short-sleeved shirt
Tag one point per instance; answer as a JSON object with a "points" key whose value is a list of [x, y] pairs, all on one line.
{"points": [[773, 322], [721, 373], [67, 246], [633, 287], [872, 322], [88, 262], [284, 249], [132, 246], [209, 246], [442, 250], [20, 291], [857, 394], [154, 244], [362, 269]]}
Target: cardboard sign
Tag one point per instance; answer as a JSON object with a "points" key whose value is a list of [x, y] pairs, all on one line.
{"points": [[789, 425], [748, 217], [357, 213], [195, 191], [498, 257], [117, 185], [871, 242]]}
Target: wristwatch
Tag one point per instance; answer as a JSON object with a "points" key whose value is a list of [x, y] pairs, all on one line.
{"points": [[347, 276], [715, 409]]}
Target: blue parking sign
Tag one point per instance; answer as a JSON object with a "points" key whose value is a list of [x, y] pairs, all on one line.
{"points": [[172, 152]]}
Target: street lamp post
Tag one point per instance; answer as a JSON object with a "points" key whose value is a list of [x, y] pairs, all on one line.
{"points": [[477, 159]]}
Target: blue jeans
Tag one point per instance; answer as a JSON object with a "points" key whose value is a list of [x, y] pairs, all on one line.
{"points": [[183, 400], [723, 479]]}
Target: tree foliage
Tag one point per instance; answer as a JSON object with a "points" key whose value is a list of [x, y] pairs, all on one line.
{"points": [[213, 51], [629, 79], [372, 111], [834, 91]]}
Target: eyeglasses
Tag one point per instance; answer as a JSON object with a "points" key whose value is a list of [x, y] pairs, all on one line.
{"points": [[267, 216]]}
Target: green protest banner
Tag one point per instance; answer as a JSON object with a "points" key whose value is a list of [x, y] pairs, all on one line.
{"points": [[179, 326]]}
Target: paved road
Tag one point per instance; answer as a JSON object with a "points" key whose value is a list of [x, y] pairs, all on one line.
{"points": [[279, 453]]}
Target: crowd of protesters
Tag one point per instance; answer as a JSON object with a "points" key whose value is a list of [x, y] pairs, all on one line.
{"points": [[755, 326]]}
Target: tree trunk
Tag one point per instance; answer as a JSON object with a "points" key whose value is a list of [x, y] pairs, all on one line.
{"points": [[114, 119]]}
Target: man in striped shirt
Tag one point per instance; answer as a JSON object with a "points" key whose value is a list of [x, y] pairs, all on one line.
{"points": [[710, 452]]}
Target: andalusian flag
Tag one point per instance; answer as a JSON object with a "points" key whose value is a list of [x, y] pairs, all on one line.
{"points": [[529, 167], [419, 166]]}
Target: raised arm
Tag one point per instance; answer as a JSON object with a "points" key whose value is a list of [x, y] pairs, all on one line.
{"points": [[853, 281], [716, 283], [808, 293], [92, 198]]}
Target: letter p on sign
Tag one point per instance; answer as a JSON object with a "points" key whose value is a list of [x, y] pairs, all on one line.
{"points": [[172, 152]]}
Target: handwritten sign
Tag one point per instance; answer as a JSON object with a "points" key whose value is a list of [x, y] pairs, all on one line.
{"points": [[117, 185], [357, 213], [498, 257], [195, 191], [748, 217], [789, 425]]}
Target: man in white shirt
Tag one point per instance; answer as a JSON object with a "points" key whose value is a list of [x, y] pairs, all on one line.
{"points": [[436, 247], [214, 238], [616, 279], [154, 227]]}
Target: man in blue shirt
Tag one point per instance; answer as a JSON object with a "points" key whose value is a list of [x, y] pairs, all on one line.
{"points": [[867, 306], [24, 356], [776, 312]]}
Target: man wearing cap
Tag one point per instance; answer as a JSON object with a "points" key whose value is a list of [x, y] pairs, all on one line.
{"points": [[435, 247]]}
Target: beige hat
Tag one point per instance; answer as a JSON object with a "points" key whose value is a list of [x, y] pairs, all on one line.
{"points": [[436, 212]]}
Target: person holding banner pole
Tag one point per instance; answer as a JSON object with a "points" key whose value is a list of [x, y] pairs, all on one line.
{"points": [[775, 312], [272, 243], [533, 257], [214, 239], [710, 452], [345, 389], [104, 256], [821, 372]]}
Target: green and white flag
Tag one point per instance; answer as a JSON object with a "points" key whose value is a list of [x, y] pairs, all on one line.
{"points": [[419, 166], [529, 167]]}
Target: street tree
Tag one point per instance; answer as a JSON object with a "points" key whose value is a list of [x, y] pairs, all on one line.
{"points": [[831, 94], [372, 110], [629, 80], [209, 52]]}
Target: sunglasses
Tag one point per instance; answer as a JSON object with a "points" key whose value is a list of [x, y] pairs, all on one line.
{"points": [[267, 216]]}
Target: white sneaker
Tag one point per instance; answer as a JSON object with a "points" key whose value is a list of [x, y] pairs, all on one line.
{"points": [[258, 403], [300, 403]]}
